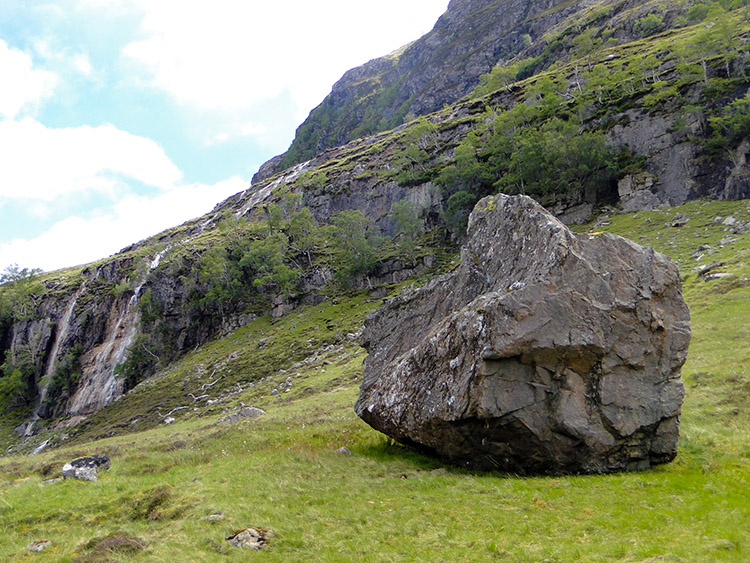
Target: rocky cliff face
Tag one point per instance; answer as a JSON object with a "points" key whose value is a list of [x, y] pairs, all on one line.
{"points": [[84, 328], [441, 67], [88, 323], [83, 316], [97, 309]]}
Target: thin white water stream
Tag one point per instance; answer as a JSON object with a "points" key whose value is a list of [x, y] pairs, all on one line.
{"points": [[63, 328], [259, 195], [99, 385]]}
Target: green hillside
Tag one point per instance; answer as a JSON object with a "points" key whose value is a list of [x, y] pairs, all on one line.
{"points": [[385, 503], [600, 57], [260, 302], [646, 94]]}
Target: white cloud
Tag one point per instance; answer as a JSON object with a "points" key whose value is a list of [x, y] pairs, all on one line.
{"points": [[40, 163], [77, 240], [82, 64], [234, 130], [242, 59], [62, 59], [239, 69], [230, 54], [23, 86]]}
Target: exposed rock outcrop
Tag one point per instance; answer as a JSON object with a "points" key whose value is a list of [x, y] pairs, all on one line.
{"points": [[242, 414], [672, 156], [544, 352], [83, 325], [89, 323], [86, 468], [254, 539], [469, 39], [737, 184]]}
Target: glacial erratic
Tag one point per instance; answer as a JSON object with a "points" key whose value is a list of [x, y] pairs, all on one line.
{"points": [[544, 352]]}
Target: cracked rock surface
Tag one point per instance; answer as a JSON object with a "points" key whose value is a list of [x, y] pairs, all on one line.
{"points": [[543, 352]]}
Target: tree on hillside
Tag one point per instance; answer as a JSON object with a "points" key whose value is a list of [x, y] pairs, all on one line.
{"points": [[17, 383], [221, 276], [722, 36], [648, 25], [729, 127], [600, 83], [558, 160], [355, 240], [17, 295], [411, 164], [304, 233], [265, 259], [423, 134], [405, 215], [468, 173], [586, 45], [501, 77], [14, 273]]}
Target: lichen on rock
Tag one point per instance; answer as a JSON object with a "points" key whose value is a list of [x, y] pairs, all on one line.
{"points": [[545, 352]]}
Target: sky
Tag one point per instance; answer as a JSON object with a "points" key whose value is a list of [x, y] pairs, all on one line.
{"points": [[122, 118]]}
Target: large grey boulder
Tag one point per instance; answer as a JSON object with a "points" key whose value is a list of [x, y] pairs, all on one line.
{"points": [[543, 352]]}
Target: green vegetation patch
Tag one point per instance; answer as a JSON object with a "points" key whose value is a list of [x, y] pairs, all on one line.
{"points": [[181, 489]]}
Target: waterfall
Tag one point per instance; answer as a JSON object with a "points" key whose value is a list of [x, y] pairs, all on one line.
{"points": [[99, 385], [63, 328], [255, 197]]}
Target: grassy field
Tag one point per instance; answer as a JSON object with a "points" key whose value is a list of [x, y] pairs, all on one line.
{"points": [[281, 472]]}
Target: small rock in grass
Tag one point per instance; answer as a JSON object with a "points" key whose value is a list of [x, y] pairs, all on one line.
{"points": [[80, 473], [725, 545], [704, 269], [679, 220], [100, 461], [247, 412], [215, 517], [86, 468], [343, 451], [40, 447], [250, 538], [39, 545], [169, 420]]}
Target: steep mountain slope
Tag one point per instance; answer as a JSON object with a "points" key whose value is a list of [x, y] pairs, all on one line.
{"points": [[634, 104], [469, 40], [439, 68]]}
